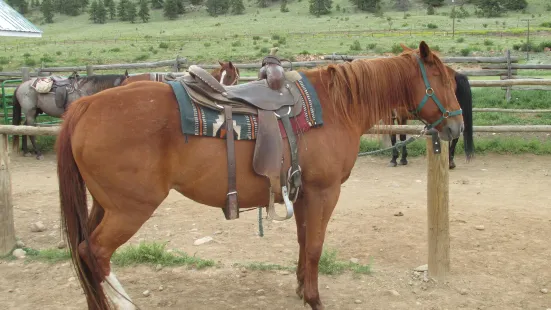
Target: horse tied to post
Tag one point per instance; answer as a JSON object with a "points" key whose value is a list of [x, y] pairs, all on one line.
{"points": [[464, 96], [171, 135], [227, 74], [52, 95]]}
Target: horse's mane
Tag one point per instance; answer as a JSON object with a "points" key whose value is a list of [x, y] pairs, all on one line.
{"points": [[102, 81], [369, 87]]}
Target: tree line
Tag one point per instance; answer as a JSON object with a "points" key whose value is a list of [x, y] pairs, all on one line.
{"points": [[132, 10]]}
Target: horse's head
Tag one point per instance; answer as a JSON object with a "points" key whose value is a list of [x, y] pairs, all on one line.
{"points": [[229, 74], [434, 91]]}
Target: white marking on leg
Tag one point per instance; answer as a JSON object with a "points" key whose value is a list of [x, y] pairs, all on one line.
{"points": [[222, 77], [114, 292]]}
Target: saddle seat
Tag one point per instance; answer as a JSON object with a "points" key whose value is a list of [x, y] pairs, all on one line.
{"points": [[269, 105], [246, 97]]}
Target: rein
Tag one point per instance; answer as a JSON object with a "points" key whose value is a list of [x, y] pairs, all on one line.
{"points": [[429, 93]]}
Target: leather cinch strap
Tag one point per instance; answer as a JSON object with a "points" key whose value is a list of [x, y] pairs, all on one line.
{"points": [[231, 211]]}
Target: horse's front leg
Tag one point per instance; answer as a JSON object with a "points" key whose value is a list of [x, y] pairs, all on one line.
{"points": [[319, 204], [300, 218]]}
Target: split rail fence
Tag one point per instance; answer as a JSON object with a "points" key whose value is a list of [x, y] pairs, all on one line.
{"points": [[438, 222]]}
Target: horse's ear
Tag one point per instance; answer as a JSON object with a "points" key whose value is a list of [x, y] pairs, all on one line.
{"points": [[230, 64], [425, 52], [221, 63], [126, 73], [406, 48]]}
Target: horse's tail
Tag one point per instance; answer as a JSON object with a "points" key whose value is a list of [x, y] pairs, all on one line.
{"points": [[465, 98], [74, 212], [16, 117]]}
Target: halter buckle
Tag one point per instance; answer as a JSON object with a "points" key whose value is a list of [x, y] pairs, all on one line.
{"points": [[446, 114], [429, 91]]}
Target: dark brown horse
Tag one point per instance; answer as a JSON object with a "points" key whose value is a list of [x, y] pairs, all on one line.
{"points": [[130, 161], [227, 75]]}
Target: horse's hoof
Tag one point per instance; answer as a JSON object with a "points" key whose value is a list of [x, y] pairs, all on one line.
{"points": [[403, 162], [452, 165], [40, 157], [28, 154], [392, 164], [300, 292]]}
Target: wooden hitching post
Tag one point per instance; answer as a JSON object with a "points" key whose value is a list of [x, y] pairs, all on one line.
{"points": [[7, 229], [437, 208]]}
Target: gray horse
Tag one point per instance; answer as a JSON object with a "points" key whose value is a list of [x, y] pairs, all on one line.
{"points": [[54, 103]]}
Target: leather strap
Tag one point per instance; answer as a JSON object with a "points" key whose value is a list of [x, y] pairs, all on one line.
{"points": [[231, 211], [294, 176]]}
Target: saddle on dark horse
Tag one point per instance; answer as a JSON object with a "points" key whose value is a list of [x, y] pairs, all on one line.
{"points": [[269, 101]]}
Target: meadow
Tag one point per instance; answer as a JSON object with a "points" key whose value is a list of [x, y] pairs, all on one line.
{"points": [[300, 36]]}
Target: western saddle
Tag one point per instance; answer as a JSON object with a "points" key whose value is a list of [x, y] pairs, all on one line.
{"points": [[269, 100], [60, 88]]}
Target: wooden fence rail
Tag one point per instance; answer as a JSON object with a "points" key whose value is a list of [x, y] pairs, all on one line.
{"points": [[437, 188]]}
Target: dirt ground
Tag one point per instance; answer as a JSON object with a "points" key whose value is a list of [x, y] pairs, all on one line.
{"points": [[504, 266]]}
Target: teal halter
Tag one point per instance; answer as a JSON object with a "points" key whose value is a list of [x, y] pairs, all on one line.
{"points": [[429, 93]]}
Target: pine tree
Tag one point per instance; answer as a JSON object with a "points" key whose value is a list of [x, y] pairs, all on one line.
{"points": [[157, 4], [101, 12], [170, 10], [181, 7], [131, 11], [93, 12], [402, 5], [237, 7], [320, 7], [434, 3], [111, 8], [121, 9], [143, 13], [368, 5], [196, 2], [515, 5], [217, 7], [283, 7], [47, 9], [262, 3]]}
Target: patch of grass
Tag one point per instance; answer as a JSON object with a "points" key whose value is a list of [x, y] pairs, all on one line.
{"points": [[328, 265], [144, 253], [154, 253], [47, 255], [496, 145], [265, 267]]}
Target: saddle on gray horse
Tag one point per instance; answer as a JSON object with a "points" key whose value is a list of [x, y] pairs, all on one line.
{"points": [[61, 88], [268, 104]]}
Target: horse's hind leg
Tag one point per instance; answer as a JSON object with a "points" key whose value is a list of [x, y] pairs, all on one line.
{"points": [[118, 221]]}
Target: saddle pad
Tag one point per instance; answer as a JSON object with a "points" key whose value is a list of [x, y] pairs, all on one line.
{"points": [[201, 121]]}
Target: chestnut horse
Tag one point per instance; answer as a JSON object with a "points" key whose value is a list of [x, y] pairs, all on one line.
{"points": [[465, 98], [130, 161], [227, 75]]}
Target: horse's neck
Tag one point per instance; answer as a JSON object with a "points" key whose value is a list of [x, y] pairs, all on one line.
{"points": [[358, 117]]}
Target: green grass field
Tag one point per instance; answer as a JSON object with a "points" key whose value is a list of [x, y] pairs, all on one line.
{"points": [[205, 39], [248, 37]]}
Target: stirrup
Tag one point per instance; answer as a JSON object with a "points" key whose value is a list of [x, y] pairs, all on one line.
{"points": [[272, 215], [290, 174]]}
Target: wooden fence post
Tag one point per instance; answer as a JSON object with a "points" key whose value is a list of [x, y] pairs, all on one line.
{"points": [[7, 229], [437, 208], [25, 76], [89, 70], [508, 91], [176, 67]]}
